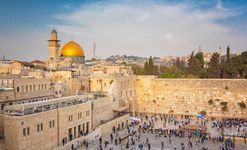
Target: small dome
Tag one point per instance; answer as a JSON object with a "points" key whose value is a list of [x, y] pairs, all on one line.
{"points": [[72, 49]]}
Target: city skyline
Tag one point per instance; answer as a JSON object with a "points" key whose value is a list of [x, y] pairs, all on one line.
{"points": [[141, 28]]}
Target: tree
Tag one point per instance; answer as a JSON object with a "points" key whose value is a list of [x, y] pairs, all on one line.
{"points": [[214, 66], [194, 66], [137, 69], [172, 72], [145, 71], [228, 54], [150, 66], [199, 56]]}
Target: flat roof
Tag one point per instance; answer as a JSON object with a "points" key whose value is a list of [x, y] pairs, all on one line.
{"points": [[41, 106]]}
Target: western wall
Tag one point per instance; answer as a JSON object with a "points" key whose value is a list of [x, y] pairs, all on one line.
{"points": [[188, 97]]}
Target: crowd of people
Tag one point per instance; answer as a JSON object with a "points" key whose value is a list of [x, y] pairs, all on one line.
{"points": [[170, 132], [239, 126]]}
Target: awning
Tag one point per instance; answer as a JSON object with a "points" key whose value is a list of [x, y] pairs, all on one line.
{"points": [[135, 119]]}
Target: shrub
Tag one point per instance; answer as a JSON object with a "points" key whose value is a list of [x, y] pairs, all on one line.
{"points": [[224, 108], [242, 105], [203, 112], [210, 102], [223, 103]]}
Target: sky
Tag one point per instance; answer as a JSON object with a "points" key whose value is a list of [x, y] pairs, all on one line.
{"points": [[122, 27]]}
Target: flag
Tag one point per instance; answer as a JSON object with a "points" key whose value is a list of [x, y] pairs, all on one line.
{"points": [[201, 116]]}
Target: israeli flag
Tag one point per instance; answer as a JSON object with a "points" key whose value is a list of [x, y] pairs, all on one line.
{"points": [[201, 116]]}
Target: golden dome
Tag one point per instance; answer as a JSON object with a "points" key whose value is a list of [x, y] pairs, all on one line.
{"points": [[72, 49]]}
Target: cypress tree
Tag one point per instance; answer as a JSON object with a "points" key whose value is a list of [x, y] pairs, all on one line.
{"points": [[214, 66]]}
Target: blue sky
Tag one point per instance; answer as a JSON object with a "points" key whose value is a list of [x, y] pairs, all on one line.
{"points": [[142, 27]]}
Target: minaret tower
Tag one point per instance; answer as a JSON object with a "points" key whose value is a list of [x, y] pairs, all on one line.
{"points": [[53, 45]]}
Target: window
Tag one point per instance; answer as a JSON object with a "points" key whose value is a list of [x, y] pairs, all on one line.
{"points": [[87, 113], [24, 131], [30, 87], [45, 86], [33, 87], [18, 89], [52, 123], [39, 86], [104, 84], [26, 88], [40, 127], [70, 118], [79, 115], [22, 88], [42, 86], [28, 130]]}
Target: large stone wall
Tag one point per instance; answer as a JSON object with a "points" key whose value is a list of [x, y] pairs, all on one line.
{"points": [[191, 96]]}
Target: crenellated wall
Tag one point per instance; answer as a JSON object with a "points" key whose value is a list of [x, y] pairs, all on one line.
{"points": [[191, 96]]}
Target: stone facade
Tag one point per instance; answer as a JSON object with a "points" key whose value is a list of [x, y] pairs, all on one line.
{"points": [[192, 96], [46, 129]]}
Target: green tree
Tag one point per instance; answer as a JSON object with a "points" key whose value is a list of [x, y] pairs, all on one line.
{"points": [[194, 66], [228, 54], [150, 66], [145, 71], [199, 56], [172, 72], [214, 66], [137, 69]]}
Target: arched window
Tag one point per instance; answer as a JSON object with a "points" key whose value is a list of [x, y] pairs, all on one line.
{"points": [[18, 89]]}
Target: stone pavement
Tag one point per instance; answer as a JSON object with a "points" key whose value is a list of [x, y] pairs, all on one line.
{"points": [[156, 141]]}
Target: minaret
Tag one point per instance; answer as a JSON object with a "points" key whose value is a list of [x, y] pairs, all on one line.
{"points": [[53, 45]]}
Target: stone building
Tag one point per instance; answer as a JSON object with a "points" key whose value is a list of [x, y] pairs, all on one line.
{"points": [[57, 122], [24, 90]]}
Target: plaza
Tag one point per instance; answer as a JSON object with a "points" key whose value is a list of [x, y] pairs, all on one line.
{"points": [[143, 138]]}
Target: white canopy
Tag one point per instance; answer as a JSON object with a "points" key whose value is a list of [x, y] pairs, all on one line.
{"points": [[135, 119]]}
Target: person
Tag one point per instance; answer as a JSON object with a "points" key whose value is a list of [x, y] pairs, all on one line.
{"points": [[175, 146], [86, 145], [162, 145], [100, 140], [182, 146], [111, 137], [72, 147], [63, 141], [149, 146]]}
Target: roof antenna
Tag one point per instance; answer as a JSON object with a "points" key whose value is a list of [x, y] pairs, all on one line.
{"points": [[94, 48]]}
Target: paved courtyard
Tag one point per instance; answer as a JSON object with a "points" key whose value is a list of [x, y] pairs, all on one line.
{"points": [[155, 140]]}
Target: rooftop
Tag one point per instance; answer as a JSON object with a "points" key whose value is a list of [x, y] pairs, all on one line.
{"points": [[37, 107]]}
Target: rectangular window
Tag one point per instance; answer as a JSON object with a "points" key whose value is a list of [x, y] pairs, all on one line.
{"points": [[28, 130], [70, 118], [38, 128], [24, 131], [79, 115], [52, 124], [41, 127]]}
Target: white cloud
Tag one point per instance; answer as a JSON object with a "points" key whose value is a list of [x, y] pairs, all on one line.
{"points": [[149, 28]]}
